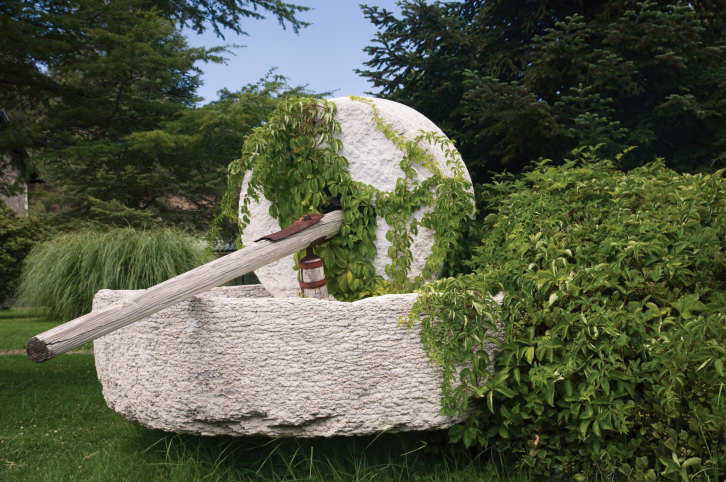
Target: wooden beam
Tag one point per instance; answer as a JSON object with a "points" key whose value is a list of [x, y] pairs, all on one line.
{"points": [[88, 327]]}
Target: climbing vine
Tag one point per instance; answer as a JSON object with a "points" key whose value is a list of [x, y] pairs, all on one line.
{"points": [[295, 161]]}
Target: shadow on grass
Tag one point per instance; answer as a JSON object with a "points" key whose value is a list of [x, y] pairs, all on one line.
{"points": [[411, 456], [55, 425]]}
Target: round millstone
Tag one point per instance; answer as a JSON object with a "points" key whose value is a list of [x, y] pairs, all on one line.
{"points": [[374, 160]]}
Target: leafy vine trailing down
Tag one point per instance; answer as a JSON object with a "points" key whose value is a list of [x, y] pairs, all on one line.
{"points": [[296, 164]]}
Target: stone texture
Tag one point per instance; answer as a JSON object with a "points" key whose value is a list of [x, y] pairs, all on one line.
{"points": [[235, 361], [373, 160]]}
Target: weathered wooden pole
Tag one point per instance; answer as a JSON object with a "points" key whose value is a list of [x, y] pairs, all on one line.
{"points": [[75, 333]]}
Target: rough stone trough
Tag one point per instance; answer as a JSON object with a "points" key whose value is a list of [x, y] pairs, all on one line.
{"points": [[229, 362]]}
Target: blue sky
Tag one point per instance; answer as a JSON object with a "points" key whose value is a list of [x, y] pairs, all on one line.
{"points": [[322, 55]]}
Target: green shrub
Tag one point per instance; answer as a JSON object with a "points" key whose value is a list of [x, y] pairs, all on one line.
{"points": [[615, 313], [18, 234], [65, 273]]}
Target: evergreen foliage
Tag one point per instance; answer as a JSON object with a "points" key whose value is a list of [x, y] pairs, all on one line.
{"points": [[18, 234], [196, 147], [65, 273], [615, 312], [513, 81], [228, 14], [103, 96]]}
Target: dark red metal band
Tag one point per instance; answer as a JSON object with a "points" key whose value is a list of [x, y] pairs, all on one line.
{"points": [[311, 285], [310, 263]]}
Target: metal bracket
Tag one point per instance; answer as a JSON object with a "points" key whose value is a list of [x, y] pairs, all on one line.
{"points": [[302, 223]]}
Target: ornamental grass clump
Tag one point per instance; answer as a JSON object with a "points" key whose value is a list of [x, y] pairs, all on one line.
{"points": [[615, 310], [65, 273]]}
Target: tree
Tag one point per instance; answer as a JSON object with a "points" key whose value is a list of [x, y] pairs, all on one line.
{"points": [[515, 81], [88, 83], [37, 35], [172, 172], [124, 70], [196, 147], [228, 14]]}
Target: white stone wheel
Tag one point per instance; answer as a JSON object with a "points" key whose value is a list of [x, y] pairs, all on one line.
{"points": [[373, 160]]}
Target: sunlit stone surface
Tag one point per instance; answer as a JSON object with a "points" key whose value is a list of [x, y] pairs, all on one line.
{"points": [[373, 160], [234, 361]]}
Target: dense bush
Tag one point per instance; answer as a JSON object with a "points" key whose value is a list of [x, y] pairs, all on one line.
{"points": [[64, 273], [615, 313], [18, 234]]}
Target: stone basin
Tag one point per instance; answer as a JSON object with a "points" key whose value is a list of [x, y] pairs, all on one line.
{"points": [[234, 361]]}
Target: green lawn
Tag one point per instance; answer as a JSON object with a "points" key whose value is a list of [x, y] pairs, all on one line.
{"points": [[55, 425], [17, 326]]}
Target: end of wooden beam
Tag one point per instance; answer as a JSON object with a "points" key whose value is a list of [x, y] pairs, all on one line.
{"points": [[38, 350]]}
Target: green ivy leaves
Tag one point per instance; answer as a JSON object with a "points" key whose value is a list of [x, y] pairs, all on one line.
{"points": [[295, 163]]}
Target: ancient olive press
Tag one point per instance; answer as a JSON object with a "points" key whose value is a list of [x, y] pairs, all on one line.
{"points": [[190, 356]]}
